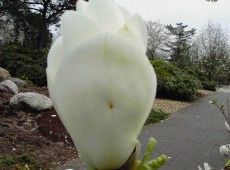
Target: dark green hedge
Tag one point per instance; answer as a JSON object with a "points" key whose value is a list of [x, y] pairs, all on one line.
{"points": [[209, 85], [175, 83], [25, 63]]}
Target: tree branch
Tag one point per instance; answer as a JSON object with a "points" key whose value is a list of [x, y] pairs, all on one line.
{"points": [[31, 8]]}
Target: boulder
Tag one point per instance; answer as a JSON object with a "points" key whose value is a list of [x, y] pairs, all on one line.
{"points": [[8, 86], [18, 82], [4, 73], [30, 101]]}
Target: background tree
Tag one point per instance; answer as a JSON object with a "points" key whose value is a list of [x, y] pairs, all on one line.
{"points": [[214, 51], [156, 39], [34, 17], [180, 44], [27, 23]]}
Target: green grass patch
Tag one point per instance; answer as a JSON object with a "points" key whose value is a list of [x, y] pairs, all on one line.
{"points": [[156, 116], [24, 161], [7, 160]]}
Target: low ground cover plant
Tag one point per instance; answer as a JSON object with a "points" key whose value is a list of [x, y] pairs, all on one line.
{"points": [[156, 115], [24, 161]]}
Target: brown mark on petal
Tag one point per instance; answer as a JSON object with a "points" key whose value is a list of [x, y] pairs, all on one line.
{"points": [[110, 104]]}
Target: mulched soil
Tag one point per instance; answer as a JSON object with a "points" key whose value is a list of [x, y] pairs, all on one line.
{"points": [[36, 140]]}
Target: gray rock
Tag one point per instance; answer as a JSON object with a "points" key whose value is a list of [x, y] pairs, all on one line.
{"points": [[8, 85], [4, 73], [30, 101], [74, 164], [18, 82]]}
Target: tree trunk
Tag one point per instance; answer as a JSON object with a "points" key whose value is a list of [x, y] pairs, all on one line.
{"points": [[44, 36]]}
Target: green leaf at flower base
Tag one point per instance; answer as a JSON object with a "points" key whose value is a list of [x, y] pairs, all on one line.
{"points": [[144, 164], [149, 149], [153, 164], [156, 163], [227, 163]]}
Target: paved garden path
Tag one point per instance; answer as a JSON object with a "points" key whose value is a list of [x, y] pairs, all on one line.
{"points": [[189, 137], [192, 136]]}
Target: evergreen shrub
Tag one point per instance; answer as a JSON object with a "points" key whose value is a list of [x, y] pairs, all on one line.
{"points": [[175, 83], [209, 85], [22, 62], [192, 72]]}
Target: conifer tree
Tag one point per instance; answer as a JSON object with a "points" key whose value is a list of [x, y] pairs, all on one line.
{"points": [[180, 44]]}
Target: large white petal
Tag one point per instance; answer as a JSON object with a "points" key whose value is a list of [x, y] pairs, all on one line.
{"points": [[77, 28], [107, 13], [81, 6], [105, 90], [125, 13], [55, 57], [135, 30], [50, 83], [51, 87]]}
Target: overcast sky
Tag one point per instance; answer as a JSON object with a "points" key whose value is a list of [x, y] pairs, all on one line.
{"points": [[194, 13]]}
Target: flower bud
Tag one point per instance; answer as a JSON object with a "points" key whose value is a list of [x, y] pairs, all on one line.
{"points": [[101, 82]]}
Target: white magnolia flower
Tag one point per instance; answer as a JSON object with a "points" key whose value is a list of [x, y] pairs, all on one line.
{"points": [[206, 167], [227, 126], [225, 150], [101, 81]]}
